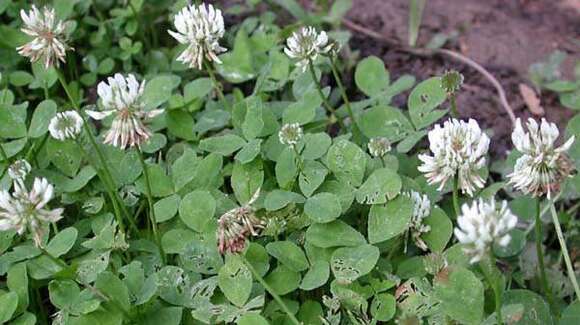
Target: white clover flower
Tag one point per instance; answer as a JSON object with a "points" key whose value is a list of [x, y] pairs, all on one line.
{"points": [[421, 210], [200, 28], [49, 44], [65, 125], [543, 166], [236, 225], [458, 148], [306, 44], [122, 98], [23, 210], [18, 170], [379, 146], [290, 134], [482, 224]]}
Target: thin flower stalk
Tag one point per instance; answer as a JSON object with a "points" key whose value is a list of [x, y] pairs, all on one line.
{"points": [[491, 274], [455, 195], [325, 102], [343, 92], [217, 85], [109, 190], [4, 157], [149, 194], [107, 176], [451, 82], [94, 290], [565, 254], [271, 291], [540, 252]]}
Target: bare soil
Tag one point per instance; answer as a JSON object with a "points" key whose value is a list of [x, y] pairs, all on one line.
{"points": [[504, 36]]}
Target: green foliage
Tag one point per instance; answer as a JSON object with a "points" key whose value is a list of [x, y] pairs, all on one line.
{"points": [[327, 233]]}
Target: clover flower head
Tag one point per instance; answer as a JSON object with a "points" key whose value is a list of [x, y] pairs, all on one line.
{"points": [[458, 149], [451, 81], [200, 28], [236, 225], [481, 225], [306, 44], [379, 146], [122, 98], [421, 210], [25, 210], [18, 170], [65, 125], [542, 167], [290, 134], [49, 43]]}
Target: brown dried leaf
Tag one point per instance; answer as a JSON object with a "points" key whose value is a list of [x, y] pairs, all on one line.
{"points": [[531, 99]]}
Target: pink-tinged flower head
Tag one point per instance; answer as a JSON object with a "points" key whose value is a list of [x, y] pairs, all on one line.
{"points": [[49, 42], [458, 149], [122, 97], [25, 210], [542, 167], [200, 28], [306, 44]]}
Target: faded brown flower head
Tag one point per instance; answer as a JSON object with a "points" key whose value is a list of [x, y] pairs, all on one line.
{"points": [[236, 225]]}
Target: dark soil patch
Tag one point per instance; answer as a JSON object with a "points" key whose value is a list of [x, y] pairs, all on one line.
{"points": [[505, 37]]}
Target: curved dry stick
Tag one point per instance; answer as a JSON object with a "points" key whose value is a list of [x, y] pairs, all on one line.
{"points": [[487, 75], [428, 52]]}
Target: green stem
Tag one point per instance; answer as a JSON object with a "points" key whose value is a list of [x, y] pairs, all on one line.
{"points": [[152, 218], [298, 158], [45, 87], [540, 253], [454, 111], [103, 160], [53, 258], [64, 85], [497, 290], [342, 91], [567, 261], [267, 287], [456, 195], [103, 296], [110, 191], [321, 94], [33, 152], [3, 154], [4, 158], [43, 315], [217, 85]]}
